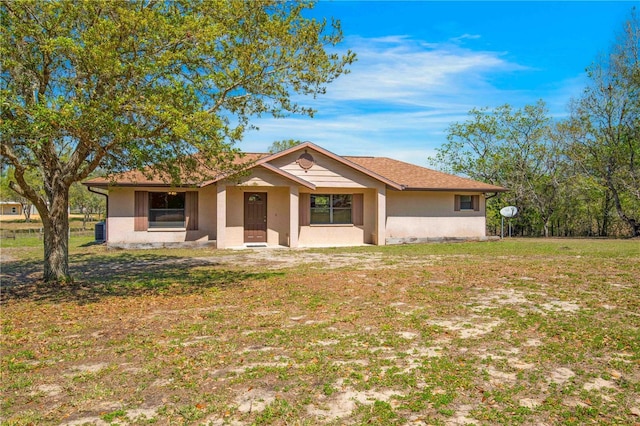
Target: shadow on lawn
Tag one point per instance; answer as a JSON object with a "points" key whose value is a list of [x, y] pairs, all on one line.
{"points": [[97, 276]]}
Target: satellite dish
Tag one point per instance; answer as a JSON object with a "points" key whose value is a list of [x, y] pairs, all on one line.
{"points": [[509, 211]]}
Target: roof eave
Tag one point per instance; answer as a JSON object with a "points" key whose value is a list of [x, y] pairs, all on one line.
{"points": [[288, 175], [108, 185], [409, 188]]}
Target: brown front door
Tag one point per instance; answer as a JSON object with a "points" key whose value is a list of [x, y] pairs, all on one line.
{"points": [[255, 217]]}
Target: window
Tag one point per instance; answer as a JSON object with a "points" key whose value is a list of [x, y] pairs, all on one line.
{"points": [[331, 208], [467, 202], [166, 209]]}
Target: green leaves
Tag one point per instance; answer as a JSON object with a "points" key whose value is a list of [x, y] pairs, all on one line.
{"points": [[605, 125], [136, 84], [108, 74], [574, 172]]}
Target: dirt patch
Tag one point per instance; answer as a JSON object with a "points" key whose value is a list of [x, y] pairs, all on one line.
{"points": [[393, 335], [343, 403], [468, 328], [561, 375]]}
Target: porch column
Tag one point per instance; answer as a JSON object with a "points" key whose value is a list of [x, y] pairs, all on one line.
{"points": [[221, 215], [293, 216], [381, 216]]}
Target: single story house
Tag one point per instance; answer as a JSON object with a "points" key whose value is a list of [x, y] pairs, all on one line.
{"points": [[10, 208], [304, 196]]}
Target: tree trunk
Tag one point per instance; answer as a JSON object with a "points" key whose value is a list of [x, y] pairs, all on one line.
{"points": [[56, 238], [632, 222], [604, 231], [26, 211]]}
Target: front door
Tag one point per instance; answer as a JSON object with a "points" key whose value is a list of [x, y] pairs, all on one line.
{"points": [[255, 217]]}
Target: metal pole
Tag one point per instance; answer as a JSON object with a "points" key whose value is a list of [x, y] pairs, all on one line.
{"points": [[502, 228]]}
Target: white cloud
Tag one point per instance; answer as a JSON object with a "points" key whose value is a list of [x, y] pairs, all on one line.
{"points": [[398, 100], [400, 70]]}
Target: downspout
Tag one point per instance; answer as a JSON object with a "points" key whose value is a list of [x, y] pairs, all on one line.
{"points": [[486, 197], [106, 196]]}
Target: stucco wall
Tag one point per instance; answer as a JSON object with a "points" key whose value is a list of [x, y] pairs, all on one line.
{"points": [[277, 214], [121, 218], [342, 235], [331, 178], [10, 209], [422, 214]]}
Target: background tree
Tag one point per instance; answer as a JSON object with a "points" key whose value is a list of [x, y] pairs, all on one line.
{"points": [[605, 124], [278, 146], [86, 202], [7, 194], [135, 84], [511, 148]]}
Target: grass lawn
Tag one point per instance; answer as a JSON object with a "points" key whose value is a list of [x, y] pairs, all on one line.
{"points": [[519, 331]]}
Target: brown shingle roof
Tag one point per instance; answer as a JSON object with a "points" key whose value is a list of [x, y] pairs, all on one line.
{"points": [[411, 176], [397, 174], [138, 178]]}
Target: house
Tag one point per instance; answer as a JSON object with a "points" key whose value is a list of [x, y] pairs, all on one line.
{"points": [[304, 196], [10, 208]]}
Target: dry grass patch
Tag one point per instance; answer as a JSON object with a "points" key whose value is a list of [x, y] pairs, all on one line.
{"points": [[436, 334]]}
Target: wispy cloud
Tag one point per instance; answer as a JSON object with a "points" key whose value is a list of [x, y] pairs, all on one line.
{"points": [[400, 70], [398, 100]]}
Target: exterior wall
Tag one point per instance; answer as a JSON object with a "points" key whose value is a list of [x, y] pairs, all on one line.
{"points": [[10, 209], [277, 214], [423, 214], [388, 215], [326, 172], [262, 177], [330, 177], [342, 235], [121, 218]]}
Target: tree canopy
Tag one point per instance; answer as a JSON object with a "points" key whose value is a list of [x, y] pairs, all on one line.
{"points": [[146, 84], [575, 175], [278, 146]]}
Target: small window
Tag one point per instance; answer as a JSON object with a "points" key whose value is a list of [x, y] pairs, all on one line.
{"points": [[331, 208], [166, 209], [467, 203]]}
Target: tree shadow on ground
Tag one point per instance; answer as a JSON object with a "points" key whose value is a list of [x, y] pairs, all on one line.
{"points": [[122, 275]]}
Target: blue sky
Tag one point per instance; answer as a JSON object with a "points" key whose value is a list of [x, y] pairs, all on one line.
{"points": [[423, 65]]}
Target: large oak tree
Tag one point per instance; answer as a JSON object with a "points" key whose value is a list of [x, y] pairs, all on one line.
{"points": [[134, 84]]}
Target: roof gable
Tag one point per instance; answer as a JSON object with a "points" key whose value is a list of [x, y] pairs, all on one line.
{"points": [[342, 160]]}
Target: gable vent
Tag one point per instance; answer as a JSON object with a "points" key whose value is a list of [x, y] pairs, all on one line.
{"points": [[305, 161]]}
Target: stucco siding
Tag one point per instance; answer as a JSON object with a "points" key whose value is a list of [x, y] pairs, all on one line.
{"points": [[277, 214], [423, 214], [120, 222], [342, 235], [331, 235]]}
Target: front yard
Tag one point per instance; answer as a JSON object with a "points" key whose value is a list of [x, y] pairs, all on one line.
{"points": [[513, 332]]}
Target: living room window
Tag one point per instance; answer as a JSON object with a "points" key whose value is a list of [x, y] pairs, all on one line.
{"points": [[166, 209], [331, 209]]}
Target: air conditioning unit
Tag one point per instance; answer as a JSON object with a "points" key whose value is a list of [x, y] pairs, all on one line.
{"points": [[101, 231]]}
